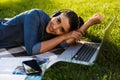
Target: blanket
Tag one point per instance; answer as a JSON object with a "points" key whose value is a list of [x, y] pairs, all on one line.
{"points": [[13, 52], [21, 52]]}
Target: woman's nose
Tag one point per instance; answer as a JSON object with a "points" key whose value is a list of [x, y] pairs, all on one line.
{"points": [[55, 27]]}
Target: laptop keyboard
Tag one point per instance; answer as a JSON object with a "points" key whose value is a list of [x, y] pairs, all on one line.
{"points": [[86, 52]]}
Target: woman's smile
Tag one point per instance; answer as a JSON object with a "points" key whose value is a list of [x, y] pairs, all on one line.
{"points": [[58, 25]]}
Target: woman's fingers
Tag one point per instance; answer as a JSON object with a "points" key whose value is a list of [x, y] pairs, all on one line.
{"points": [[76, 35], [97, 18], [73, 35]]}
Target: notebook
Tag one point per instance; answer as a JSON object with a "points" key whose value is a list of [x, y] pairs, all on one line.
{"points": [[84, 53]]}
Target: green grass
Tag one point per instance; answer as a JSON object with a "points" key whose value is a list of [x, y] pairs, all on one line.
{"points": [[107, 65]]}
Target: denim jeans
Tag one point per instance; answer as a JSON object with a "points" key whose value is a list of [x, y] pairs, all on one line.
{"points": [[24, 29]]}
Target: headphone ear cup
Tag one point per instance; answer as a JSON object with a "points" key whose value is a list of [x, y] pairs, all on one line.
{"points": [[56, 13]]}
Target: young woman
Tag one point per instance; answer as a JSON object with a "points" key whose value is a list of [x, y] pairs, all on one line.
{"points": [[39, 33]]}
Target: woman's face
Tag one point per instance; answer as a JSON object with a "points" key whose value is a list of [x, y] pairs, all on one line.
{"points": [[58, 25]]}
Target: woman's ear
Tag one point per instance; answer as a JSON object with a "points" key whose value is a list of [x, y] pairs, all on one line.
{"points": [[56, 13]]}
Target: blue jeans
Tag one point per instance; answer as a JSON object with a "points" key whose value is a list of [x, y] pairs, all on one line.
{"points": [[23, 28]]}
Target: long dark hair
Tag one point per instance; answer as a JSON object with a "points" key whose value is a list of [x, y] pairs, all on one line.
{"points": [[74, 20]]}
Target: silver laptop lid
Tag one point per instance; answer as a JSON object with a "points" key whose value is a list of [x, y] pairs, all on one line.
{"points": [[107, 32]]}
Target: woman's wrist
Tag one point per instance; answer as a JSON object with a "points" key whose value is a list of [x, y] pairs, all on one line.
{"points": [[81, 31], [96, 19], [64, 37], [90, 22]]}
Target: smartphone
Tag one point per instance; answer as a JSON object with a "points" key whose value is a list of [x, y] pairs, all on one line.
{"points": [[31, 67]]}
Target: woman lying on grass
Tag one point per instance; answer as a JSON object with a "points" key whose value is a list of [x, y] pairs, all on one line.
{"points": [[39, 33]]}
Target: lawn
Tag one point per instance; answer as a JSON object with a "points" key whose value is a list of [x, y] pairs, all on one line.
{"points": [[107, 65]]}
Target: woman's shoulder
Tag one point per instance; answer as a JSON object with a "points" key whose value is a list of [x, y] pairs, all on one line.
{"points": [[38, 10]]}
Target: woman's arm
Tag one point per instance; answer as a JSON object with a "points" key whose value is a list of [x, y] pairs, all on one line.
{"points": [[95, 19], [71, 36], [52, 43]]}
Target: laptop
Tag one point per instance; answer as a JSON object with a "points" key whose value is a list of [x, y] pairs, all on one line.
{"points": [[84, 53]]}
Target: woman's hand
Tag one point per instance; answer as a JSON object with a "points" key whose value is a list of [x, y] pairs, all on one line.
{"points": [[96, 19], [76, 35]]}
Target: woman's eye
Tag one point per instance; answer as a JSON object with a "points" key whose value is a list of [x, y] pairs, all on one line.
{"points": [[59, 20]]}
